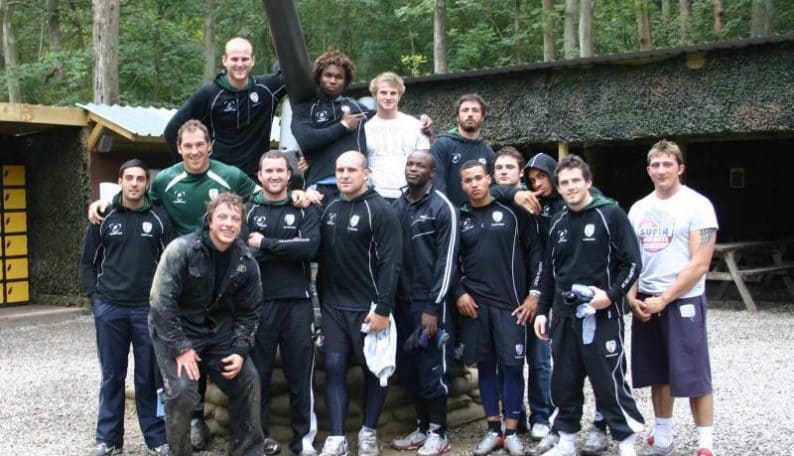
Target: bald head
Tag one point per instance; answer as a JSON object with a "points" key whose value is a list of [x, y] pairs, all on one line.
{"points": [[352, 174], [238, 44], [238, 59]]}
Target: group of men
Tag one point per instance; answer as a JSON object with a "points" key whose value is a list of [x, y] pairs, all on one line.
{"points": [[417, 251]]}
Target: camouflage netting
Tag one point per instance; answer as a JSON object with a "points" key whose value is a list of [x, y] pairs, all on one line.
{"points": [[398, 417], [736, 91]]}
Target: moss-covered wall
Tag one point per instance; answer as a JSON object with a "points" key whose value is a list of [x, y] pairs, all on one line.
{"points": [[743, 90], [57, 186]]}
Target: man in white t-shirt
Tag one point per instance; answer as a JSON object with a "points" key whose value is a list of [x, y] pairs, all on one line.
{"points": [[677, 229], [391, 136]]}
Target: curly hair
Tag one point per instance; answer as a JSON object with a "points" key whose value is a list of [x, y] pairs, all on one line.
{"points": [[338, 58]]}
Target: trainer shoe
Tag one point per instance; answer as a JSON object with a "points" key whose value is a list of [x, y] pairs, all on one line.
{"points": [[704, 452], [539, 430], [271, 446], [162, 450], [411, 441], [335, 445], [199, 434], [490, 442], [368, 444], [514, 445], [595, 442], [434, 445], [308, 452], [103, 449], [558, 450], [651, 449]]}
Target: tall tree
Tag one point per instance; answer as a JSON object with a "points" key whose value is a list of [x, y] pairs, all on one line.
{"points": [[719, 17], [758, 18], [549, 52], [517, 31], [586, 28], [106, 50], [209, 40], [770, 14], [643, 24], [54, 25], [666, 11], [10, 53], [570, 36], [440, 37], [685, 14]]}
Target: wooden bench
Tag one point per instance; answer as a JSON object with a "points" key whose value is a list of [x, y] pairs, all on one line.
{"points": [[767, 259]]}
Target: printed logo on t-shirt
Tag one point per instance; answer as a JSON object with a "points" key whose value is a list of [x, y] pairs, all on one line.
{"points": [[180, 197], [655, 231], [212, 193]]}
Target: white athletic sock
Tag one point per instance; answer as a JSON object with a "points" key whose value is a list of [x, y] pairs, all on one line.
{"points": [[663, 432], [567, 441], [626, 446], [705, 437]]}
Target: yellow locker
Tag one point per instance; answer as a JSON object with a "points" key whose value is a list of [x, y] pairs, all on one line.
{"points": [[13, 198], [15, 222], [16, 268], [15, 245], [17, 291], [2, 293], [13, 175]]}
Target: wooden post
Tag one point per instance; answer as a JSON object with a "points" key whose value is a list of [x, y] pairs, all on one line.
{"points": [[562, 150]]}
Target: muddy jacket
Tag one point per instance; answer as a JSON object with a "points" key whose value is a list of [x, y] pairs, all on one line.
{"points": [[189, 310]]}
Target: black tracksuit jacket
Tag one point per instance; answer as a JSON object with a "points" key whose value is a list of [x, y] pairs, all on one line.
{"points": [[430, 249], [451, 151], [239, 121], [501, 254], [120, 255], [360, 254], [317, 127], [595, 246], [190, 310], [292, 237]]}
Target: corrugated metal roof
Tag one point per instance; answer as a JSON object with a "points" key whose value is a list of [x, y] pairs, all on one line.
{"points": [[146, 121], [138, 120]]}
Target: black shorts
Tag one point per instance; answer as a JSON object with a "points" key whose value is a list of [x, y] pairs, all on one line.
{"points": [[494, 334], [342, 333]]}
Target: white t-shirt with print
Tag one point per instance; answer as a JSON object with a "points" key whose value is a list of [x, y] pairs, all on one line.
{"points": [[389, 142], [662, 227]]}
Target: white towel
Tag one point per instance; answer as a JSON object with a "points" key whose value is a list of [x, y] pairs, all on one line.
{"points": [[380, 350]]}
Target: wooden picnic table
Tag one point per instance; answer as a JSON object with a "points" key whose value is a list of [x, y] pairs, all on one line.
{"points": [[744, 261]]}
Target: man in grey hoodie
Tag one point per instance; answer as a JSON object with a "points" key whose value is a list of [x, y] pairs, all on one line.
{"points": [[459, 145]]}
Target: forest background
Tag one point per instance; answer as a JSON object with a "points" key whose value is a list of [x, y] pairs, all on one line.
{"points": [[158, 52]]}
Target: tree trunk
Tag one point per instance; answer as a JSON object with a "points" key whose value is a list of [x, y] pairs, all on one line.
{"points": [[54, 22], [666, 11], [570, 37], [685, 12], [586, 28], [106, 47], [769, 16], [517, 30], [209, 41], [549, 53], [643, 24], [10, 53], [758, 18], [719, 17], [440, 37]]}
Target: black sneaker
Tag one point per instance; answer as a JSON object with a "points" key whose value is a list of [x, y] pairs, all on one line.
{"points": [[199, 434]]}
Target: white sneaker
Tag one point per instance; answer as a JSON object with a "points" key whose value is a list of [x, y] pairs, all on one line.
{"points": [[368, 443], [514, 445], [595, 442], [539, 430], [489, 443], [411, 441], [558, 450], [335, 445], [547, 443], [434, 445]]}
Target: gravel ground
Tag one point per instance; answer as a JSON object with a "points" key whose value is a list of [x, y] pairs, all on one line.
{"points": [[49, 379]]}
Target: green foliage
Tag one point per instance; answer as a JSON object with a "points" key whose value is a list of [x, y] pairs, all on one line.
{"points": [[161, 55]]}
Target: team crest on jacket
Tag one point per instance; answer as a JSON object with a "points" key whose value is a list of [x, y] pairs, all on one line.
{"points": [[562, 236], [146, 227], [321, 116], [354, 220], [483, 161], [519, 349], [455, 158], [497, 216], [115, 229], [213, 193], [589, 229], [254, 97], [261, 221], [179, 198], [331, 218], [611, 346], [289, 219]]}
